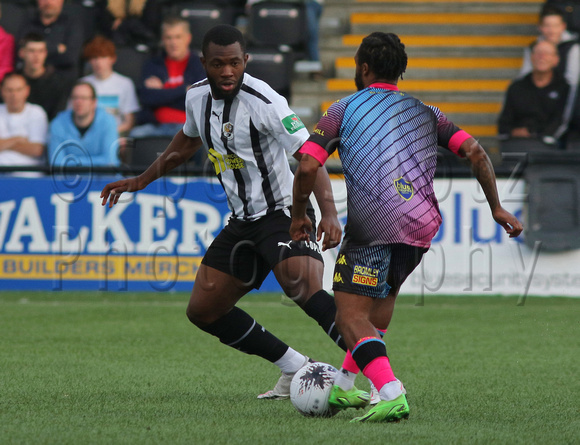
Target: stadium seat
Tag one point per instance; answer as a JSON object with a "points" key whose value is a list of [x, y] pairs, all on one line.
{"points": [[86, 14], [143, 151], [130, 62], [202, 17], [273, 67], [12, 17], [278, 23], [553, 207]]}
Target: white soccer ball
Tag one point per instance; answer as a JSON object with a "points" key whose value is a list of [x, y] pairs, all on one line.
{"points": [[310, 389]]}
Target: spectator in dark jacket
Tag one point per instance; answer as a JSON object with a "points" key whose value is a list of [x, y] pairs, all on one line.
{"points": [[165, 81], [130, 22], [63, 34], [534, 105], [47, 87]]}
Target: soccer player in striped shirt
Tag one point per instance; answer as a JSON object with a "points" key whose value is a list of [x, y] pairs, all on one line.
{"points": [[248, 130], [387, 142]]}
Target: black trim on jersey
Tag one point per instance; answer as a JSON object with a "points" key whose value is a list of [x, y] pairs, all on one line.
{"points": [[259, 156], [237, 174], [201, 83], [210, 143], [253, 92]]}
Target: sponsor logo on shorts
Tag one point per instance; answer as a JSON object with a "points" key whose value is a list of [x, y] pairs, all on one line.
{"points": [[341, 260], [311, 245], [308, 244], [404, 188], [366, 276], [338, 278]]}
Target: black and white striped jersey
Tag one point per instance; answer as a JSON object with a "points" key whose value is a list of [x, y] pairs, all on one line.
{"points": [[248, 140]]}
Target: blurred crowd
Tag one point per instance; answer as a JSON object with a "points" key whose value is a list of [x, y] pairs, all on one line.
{"points": [[81, 80], [541, 109]]}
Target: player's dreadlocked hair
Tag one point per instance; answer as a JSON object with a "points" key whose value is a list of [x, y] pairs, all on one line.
{"points": [[385, 55], [223, 35]]}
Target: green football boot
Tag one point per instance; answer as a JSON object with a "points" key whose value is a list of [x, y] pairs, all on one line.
{"points": [[353, 398], [386, 411]]}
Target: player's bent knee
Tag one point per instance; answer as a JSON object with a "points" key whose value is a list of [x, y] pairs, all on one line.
{"points": [[199, 316]]}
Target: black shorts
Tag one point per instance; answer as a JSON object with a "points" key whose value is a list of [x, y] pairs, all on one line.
{"points": [[249, 250], [372, 271]]}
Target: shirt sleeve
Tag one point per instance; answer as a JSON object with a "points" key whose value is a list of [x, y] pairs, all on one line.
{"points": [[326, 136], [190, 128], [449, 135], [284, 125]]}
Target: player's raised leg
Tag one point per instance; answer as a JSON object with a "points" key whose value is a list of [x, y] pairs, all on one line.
{"points": [[301, 280], [212, 309]]}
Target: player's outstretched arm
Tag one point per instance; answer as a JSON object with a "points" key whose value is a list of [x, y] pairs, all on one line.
{"points": [[483, 171], [179, 150], [322, 189]]}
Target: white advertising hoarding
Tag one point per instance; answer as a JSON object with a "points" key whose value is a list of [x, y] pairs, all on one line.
{"points": [[471, 254]]}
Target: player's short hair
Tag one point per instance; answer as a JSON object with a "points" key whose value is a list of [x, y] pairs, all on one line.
{"points": [[174, 20], [384, 54], [223, 35], [31, 37], [99, 46], [88, 84], [12, 74], [549, 10]]}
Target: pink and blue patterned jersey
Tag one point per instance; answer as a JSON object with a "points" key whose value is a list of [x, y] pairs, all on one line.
{"points": [[387, 142]]}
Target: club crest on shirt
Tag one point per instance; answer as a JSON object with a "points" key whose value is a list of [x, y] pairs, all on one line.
{"points": [[404, 188], [228, 130]]}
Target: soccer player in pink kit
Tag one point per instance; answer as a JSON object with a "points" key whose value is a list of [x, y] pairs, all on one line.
{"points": [[387, 142]]}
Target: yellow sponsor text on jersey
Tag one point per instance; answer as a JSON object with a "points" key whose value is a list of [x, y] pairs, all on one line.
{"points": [[222, 163]]}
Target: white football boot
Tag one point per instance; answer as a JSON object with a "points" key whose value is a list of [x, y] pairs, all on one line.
{"points": [[282, 389]]}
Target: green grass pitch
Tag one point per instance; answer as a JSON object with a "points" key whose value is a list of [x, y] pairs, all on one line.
{"points": [[128, 368]]}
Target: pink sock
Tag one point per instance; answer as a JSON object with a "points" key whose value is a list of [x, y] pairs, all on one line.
{"points": [[349, 364], [379, 372]]}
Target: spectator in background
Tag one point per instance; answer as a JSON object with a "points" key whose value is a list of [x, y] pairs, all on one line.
{"points": [[534, 105], [6, 51], [47, 88], [553, 29], [165, 80], [85, 135], [63, 35], [130, 22], [115, 92], [23, 126]]}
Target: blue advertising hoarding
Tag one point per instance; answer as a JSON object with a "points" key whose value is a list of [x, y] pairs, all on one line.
{"points": [[56, 234]]}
